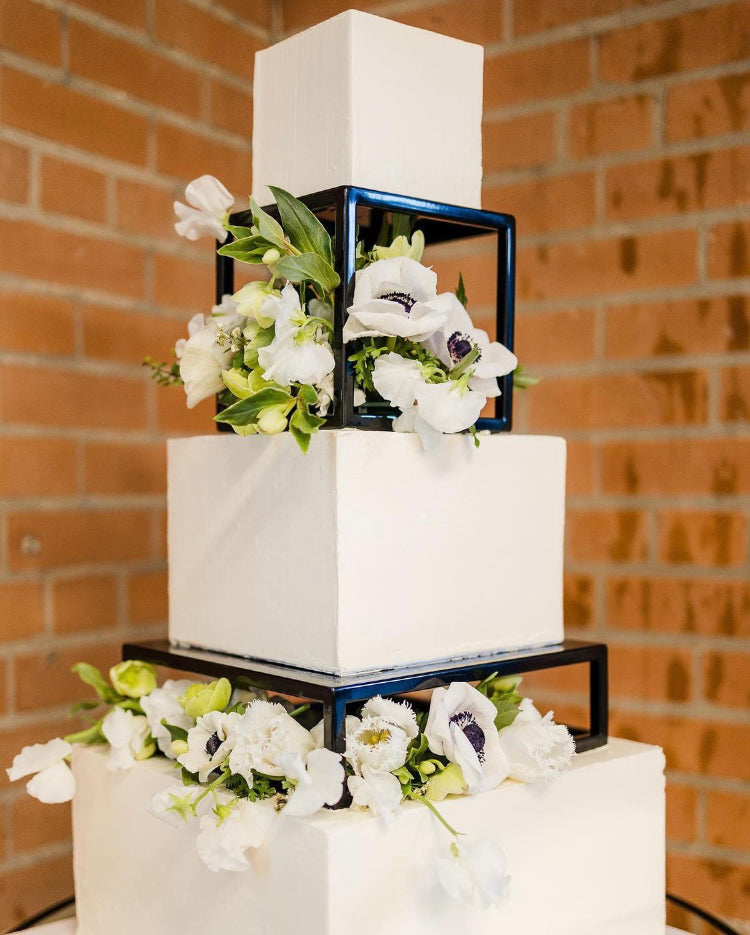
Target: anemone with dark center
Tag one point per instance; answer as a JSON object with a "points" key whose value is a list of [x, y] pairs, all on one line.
{"points": [[405, 300], [459, 345], [466, 722], [213, 743]]}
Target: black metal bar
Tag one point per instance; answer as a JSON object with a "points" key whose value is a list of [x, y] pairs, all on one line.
{"points": [[44, 915], [702, 914]]}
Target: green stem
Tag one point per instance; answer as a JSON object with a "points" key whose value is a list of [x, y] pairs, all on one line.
{"points": [[210, 788], [300, 709], [435, 812]]}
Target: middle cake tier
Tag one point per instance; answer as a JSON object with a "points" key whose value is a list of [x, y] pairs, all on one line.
{"points": [[367, 552]]}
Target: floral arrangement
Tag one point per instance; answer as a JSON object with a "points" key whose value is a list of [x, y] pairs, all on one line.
{"points": [[266, 349], [243, 760]]}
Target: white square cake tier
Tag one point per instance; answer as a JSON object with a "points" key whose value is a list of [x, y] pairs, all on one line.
{"points": [[367, 552], [585, 854]]}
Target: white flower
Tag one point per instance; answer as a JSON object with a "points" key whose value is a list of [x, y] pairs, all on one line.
{"points": [[246, 696], [202, 362], [536, 748], [249, 300], [316, 732], [395, 297], [265, 735], [381, 738], [411, 421], [321, 783], [324, 390], [175, 804], [397, 378], [376, 790], [196, 323], [209, 743], [210, 202], [162, 704], [223, 841], [474, 871], [461, 727], [54, 781], [449, 406], [401, 247], [297, 353], [129, 738]]}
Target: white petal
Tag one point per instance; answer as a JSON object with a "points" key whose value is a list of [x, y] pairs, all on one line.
{"points": [[194, 224], [399, 713], [54, 784], [496, 359], [487, 387], [378, 791], [448, 407], [322, 785], [208, 194], [397, 379], [37, 757]]}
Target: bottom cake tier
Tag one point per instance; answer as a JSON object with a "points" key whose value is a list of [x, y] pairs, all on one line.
{"points": [[585, 854]]}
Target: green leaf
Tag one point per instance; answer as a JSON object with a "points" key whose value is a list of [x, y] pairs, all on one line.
{"points": [[249, 249], [90, 675], [268, 227], [401, 226], [305, 421], [309, 266], [523, 380], [302, 228], [239, 233], [247, 410], [302, 438], [461, 291], [307, 394], [236, 382], [83, 706], [91, 734], [188, 778], [507, 712], [175, 733]]}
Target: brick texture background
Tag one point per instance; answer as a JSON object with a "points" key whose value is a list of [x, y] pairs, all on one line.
{"points": [[618, 131]]}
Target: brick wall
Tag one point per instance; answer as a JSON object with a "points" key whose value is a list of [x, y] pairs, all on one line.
{"points": [[618, 131]]}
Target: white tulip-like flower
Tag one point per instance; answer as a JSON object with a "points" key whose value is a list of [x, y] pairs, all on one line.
{"points": [[461, 727], [162, 704], [319, 782], [474, 871], [223, 842], [266, 734], [52, 779], [381, 738], [298, 352], [208, 203], [202, 361], [210, 742], [537, 749], [395, 297], [376, 790], [449, 407], [129, 738]]}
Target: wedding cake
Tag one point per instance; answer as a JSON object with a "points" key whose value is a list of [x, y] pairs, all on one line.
{"points": [[363, 554]]}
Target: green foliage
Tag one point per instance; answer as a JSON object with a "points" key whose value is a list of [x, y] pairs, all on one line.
{"points": [[248, 250], [303, 229], [92, 734], [461, 291], [246, 411], [309, 266], [523, 380], [163, 373], [175, 733], [268, 227], [90, 675]]}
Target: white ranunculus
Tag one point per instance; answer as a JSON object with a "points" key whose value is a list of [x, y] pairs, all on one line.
{"points": [[396, 379], [53, 780], [222, 843], [320, 782], [129, 738], [381, 738], [474, 871], [395, 297], [461, 727], [163, 704], [537, 749], [298, 352], [266, 733], [449, 407], [202, 362], [376, 790], [208, 203], [210, 742]]}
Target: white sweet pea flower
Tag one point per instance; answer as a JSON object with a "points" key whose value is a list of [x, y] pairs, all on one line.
{"points": [[450, 406], [176, 804], [461, 727], [266, 733], [411, 421], [202, 361], [381, 738], [397, 379], [225, 838], [129, 738], [196, 323], [376, 790], [395, 297], [53, 781], [210, 742], [298, 353], [208, 203], [163, 704], [537, 749], [324, 389], [474, 872], [320, 783]]}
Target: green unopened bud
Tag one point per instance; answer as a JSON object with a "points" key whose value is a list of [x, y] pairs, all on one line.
{"points": [[271, 257], [146, 751], [271, 421], [132, 678], [250, 298], [428, 767], [178, 747], [201, 698], [449, 781], [503, 684]]}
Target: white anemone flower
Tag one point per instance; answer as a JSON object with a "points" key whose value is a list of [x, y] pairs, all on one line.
{"points": [[209, 743], [163, 704], [461, 727], [202, 361], [537, 749], [208, 202], [474, 871], [129, 738], [223, 842], [376, 790], [52, 779], [266, 733], [395, 297], [319, 782], [298, 352]]}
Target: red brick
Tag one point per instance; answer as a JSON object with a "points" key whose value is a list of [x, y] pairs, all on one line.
{"points": [[232, 108], [723, 887], [536, 15], [71, 259], [682, 813], [709, 107], [145, 209], [115, 467], [728, 819], [729, 250], [734, 403], [519, 142], [578, 596], [71, 398], [613, 126], [301, 13], [470, 20], [88, 603], [726, 678], [140, 72], [128, 337], [651, 673], [546, 204], [556, 337], [30, 889], [128, 12], [69, 537], [579, 474], [606, 536], [186, 284], [258, 13], [536, 73], [704, 538], [695, 182], [174, 418], [478, 266], [21, 610], [44, 679], [35, 824], [602, 266], [67, 188], [31, 30], [20, 317], [32, 466], [147, 597], [14, 172], [186, 156], [68, 116], [696, 39]]}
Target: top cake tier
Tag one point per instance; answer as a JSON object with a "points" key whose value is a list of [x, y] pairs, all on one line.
{"points": [[360, 100]]}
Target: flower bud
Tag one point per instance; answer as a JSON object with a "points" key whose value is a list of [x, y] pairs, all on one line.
{"points": [[178, 747], [271, 421], [250, 298], [132, 678], [202, 697], [271, 257], [449, 781]]}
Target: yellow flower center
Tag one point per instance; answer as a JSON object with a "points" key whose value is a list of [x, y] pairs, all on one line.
{"points": [[374, 737]]}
